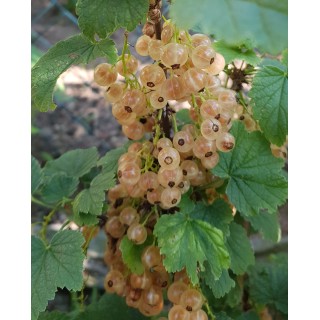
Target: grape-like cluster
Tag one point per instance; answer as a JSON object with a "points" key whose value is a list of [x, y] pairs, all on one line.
{"points": [[163, 165]]}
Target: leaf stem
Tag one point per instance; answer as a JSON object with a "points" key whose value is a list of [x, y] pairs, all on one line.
{"points": [[46, 220], [209, 311]]}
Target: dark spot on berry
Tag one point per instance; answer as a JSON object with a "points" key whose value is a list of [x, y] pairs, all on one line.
{"points": [[189, 308], [181, 185], [108, 89], [215, 128], [201, 90], [150, 189], [128, 109], [160, 99], [208, 154], [164, 284], [175, 66], [174, 201], [217, 116], [143, 120], [159, 149], [184, 172], [211, 60], [228, 145], [110, 283], [150, 84], [181, 142], [119, 173], [157, 202], [241, 117], [168, 160], [171, 184]]}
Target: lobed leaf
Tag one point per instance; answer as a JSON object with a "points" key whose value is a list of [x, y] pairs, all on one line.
{"points": [[91, 200], [269, 95], [265, 22], [241, 51], [109, 161], [267, 224], [240, 250], [103, 17], [74, 163], [59, 186], [57, 265], [256, 179], [179, 234], [58, 59]]}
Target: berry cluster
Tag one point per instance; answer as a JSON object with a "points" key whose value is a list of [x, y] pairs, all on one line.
{"points": [[163, 165]]}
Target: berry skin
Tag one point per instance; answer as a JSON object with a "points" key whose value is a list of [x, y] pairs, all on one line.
{"points": [[105, 75], [174, 55], [169, 158], [137, 233], [152, 76]]}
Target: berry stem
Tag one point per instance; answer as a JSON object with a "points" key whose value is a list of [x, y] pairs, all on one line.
{"points": [[174, 121], [210, 313]]}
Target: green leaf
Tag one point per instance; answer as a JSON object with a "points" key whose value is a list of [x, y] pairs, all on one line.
{"points": [[269, 95], [256, 179], [183, 117], [249, 315], [268, 285], [102, 17], [187, 205], [222, 316], [266, 223], [263, 21], [221, 286], [84, 219], [218, 214], [74, 163], [234, 296], [131, 254], [59, 186], [110, 307], [109, 161], [240, 51], [36, 175], [61, 57], [178, 235], [91, 200], [54, 315], [57, 265], [240, 250]]}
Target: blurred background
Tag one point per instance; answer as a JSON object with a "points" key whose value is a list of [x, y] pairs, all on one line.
{"points": [[83, 119]]}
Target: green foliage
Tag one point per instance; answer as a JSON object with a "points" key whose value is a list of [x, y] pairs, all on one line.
{"points": [[131, 254], [222, 316], [54, 315], [110, 307], [91, 200], [58, 264], [109, 161], [256, 179], [179, 234], [250, 315], [270, 98], [240, 250], [58, 187], [263, 21], [221, 286], [103, 17], [267, 224], [74, 163], [36, 175], [183, 117], [268, 283], [242, 51], [58, 59], [218, 214]]}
